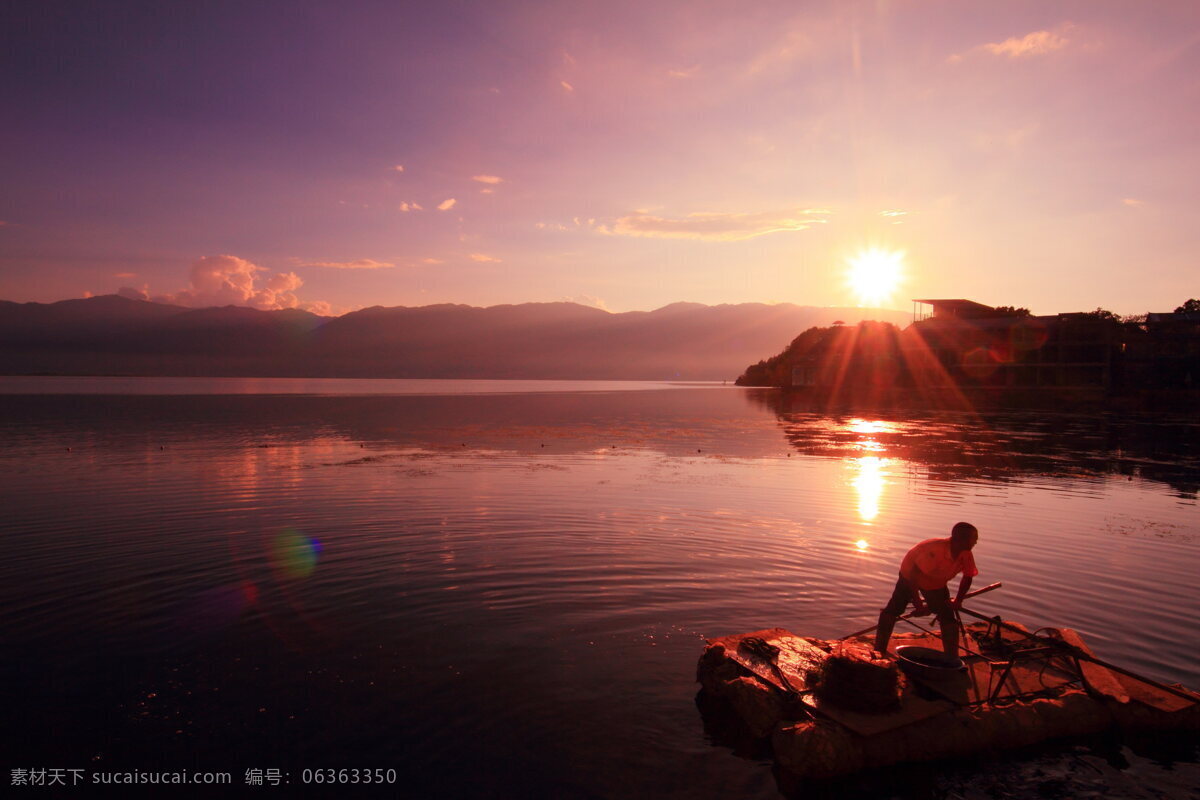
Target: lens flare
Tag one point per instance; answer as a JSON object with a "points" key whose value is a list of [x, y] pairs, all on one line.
{"points": [[294, 555]]}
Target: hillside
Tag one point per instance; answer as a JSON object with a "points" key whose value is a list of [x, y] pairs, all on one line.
{"points": [[113, 335]]}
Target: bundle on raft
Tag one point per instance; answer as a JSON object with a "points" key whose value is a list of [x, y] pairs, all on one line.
{"points": [[832, 708]]}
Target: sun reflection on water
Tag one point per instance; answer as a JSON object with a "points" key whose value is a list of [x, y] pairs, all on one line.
{"points": [[869, 483]]}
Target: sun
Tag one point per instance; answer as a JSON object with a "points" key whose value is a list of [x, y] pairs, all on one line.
{"points": [[875, 274]]}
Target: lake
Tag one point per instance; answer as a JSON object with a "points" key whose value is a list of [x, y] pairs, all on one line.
{"points": [[501, 589]]}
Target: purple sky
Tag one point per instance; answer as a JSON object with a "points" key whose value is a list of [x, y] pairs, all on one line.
{"points": [[627, 154]]}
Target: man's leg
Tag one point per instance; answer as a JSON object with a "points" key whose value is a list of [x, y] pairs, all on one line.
{"points": [[888, 614], [939, 603]]}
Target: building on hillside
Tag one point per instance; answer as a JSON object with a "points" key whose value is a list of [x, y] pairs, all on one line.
{"points": [[965, 344]]}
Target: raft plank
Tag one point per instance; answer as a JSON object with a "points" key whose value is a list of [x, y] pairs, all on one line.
{"points": [[913, 708], [1154, 697]]}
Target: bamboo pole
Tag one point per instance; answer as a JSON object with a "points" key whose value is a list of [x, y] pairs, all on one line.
{"points": [[975, 593]]}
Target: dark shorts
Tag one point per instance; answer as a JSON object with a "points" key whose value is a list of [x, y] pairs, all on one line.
{"points": [[937, 599]]}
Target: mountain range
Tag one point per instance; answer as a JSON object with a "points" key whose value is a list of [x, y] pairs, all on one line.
{"points": [[115, 335]]}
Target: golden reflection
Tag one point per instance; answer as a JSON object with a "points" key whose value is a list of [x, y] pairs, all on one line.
{"points": [[869, 484], [861, 545], [869, 426]]}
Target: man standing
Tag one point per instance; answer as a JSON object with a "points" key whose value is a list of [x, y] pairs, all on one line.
{"points": [[925, 571]]}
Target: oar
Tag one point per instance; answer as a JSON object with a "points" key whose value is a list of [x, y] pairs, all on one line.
{"points": [[975, 593], [1075, 651]]}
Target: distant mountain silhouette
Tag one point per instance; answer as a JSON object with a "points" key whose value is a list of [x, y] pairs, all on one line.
{"points": [[112, 335]]}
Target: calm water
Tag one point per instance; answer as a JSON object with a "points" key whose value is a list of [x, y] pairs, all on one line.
{"points": [[503, 590]]}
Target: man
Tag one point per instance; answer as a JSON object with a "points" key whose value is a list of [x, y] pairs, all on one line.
{"points": [[925, 571]]}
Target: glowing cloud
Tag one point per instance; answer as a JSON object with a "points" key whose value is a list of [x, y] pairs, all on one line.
{"points": [[398, 168], [1037, 43], [362, 263], [406, 207], [228, 280], [487, 179], [483, 258], [566, 86], [713, 227], [1031, 44], [446, 204]]}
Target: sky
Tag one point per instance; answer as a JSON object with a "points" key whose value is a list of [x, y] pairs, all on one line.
{"points": [[332, 156]]}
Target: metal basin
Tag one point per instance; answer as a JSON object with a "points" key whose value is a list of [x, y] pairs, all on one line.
{"points": [[924, 662]]}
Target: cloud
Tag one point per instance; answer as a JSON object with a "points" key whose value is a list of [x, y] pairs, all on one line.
{"points": [[1031, 44], [446, 204], [228, 280], [1037, 43], [432, 261], [406, 207], [132, 293], [320, 308], [398, 168], [566, 86], [1133, 202], [713, 227], [492, 179], [125, 275], [483, 257], [893, 213], [362, 263], [684, 73], [587, 300]]}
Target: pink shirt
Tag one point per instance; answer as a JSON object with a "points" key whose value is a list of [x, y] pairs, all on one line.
{"points": [[930, 565]]}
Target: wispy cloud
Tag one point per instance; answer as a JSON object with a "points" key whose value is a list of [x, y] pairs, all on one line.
{"points": [[1031, 44], [790, 46], [125, 275], [484, 258], [1007, 141], [892, 212], [398, 168], [1133, 202], [446, 204], [432, 261], [362, 263], [566, 86], [406, 207], [684, 73], [713, 227], [491, 179]]}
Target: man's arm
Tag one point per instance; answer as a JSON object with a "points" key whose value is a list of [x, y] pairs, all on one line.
{"points": [[964, 586]]}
